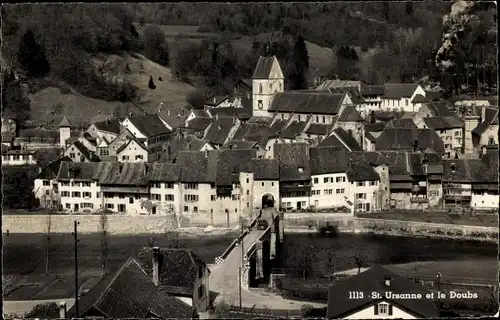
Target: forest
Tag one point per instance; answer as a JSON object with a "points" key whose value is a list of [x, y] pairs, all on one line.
{"points": [[56, 42]]}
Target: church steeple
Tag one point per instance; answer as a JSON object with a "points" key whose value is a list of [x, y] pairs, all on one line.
{"points": [[268, 49]]}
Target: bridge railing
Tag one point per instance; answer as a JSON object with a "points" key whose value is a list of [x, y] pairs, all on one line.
{"points": [[220, 259], [252, 248]]}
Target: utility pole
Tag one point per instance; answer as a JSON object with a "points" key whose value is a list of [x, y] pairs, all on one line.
{"points": [[75, 235]]}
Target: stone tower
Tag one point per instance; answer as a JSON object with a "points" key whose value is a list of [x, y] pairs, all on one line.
{"points": [[64, 132], [267, 81]]}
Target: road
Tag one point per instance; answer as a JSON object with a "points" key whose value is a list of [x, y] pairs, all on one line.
{"points": [[224, 279]]}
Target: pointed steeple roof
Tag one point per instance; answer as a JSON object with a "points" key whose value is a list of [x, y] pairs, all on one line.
{"points": [[64, 123]]}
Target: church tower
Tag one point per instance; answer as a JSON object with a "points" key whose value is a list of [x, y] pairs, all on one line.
{"points": [[267, 81], [64, 132]]}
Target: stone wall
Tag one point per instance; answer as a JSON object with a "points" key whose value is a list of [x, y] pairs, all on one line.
{"points": [[116, 224]]}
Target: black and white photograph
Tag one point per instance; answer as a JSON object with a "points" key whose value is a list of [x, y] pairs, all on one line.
{"points": [[253, 160]]}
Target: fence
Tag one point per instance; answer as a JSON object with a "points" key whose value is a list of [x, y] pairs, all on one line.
{"points": [[267, 312], [221, 259]]}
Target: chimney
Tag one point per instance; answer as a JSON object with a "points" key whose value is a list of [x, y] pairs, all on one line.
{"points": [[62, 310], [215, 100], [130, 114], [168, 112], [216, 117], [387, 281], [156, 265]]}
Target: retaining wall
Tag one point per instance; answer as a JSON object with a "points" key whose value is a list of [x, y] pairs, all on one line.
{"points": [[116, 224]]}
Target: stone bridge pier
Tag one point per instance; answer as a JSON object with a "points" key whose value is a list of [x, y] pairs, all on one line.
{"points": [[264, 255]]}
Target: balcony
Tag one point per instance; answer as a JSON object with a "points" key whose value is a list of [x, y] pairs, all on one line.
{"points": [[457, 197]]}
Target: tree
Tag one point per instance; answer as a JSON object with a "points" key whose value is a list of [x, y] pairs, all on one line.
{"points": [[329, 257], [18, 191], [196, 99], [44, 311], [360, 262], [32, 57], [302, 260], [347, 64], [155, 45], [151, 84], [103, 224], [300, 65]]}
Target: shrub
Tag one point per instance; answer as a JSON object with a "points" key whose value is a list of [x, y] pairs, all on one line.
{"points": [[45, 311]]}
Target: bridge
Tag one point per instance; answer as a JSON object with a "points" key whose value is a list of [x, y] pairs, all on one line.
{"points": [[248, 259]]}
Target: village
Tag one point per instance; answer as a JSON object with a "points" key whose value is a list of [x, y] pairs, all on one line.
{"points": [[341, 199]]}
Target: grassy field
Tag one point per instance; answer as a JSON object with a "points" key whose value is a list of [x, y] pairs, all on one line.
{"points": [[435, 217], [51, 105]]}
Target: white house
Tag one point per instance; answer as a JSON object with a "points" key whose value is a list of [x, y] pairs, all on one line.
{"points": [[18, 157], [78, 152], [376, 294], [399, 96], [132, 151]]}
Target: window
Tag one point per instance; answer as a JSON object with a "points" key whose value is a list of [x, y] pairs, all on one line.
{"points": [[260, 88], [325, 180], [272, 184], [458, 133], [262, 183], [169, 197], [46, 182], [64, 193], [156, 197], [248, 192], [75, 184], [125, 158], [212, 197], [68, 206], [75, 194], [103, 151], [373, 183], [212, 185], [340, 191], [236, 197], [190, 197], [71, 155], [236, 210], [248, 204], [186, 208], [131, 200], [87, 195], [169, 185], [121, 196], [315, 180], [328, 191], [383, 309], [195, 209], [331, 179], [324, 119], [248, 180], [192, 186], [139, 157], [87, 205], [65, 184], [110, 206], [360, 183], [108, 195], [85, 184], [97, 195], [360, 195], [156, 185]]}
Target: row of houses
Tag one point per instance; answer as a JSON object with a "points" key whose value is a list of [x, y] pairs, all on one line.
{"points": [[233, 182]]}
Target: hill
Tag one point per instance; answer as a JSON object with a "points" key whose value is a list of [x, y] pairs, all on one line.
{"points": [[49, 105]]}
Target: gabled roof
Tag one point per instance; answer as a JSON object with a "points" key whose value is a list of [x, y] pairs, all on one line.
{"points": [[294, 129], [347, 139], [173, 121], [399, 90], [326, 160], [127, 143], [293, 159], [226, 164], [194, 167], [164, 172], [149, 125], [240, 113], [360, 168], [128, 292], [438, 109], [318, 129], [64, 123], [372, 90], [404, 139], [307, 102], [336, 84], [401, 123], [178, 269], [219, 130], [51, 170], [265, 169], [340, 305], [437, 123], [199, 124], [241, 144], [126, 173], [246, 82], [84, 171], [264, 67], [215, 101], [353, 92], [375, 127], [491, 118], [83, 149], [111, 125], [350, 114]]}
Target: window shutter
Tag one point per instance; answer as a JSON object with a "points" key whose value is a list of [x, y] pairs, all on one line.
{"points": [[376, 309], [390, 309]]}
